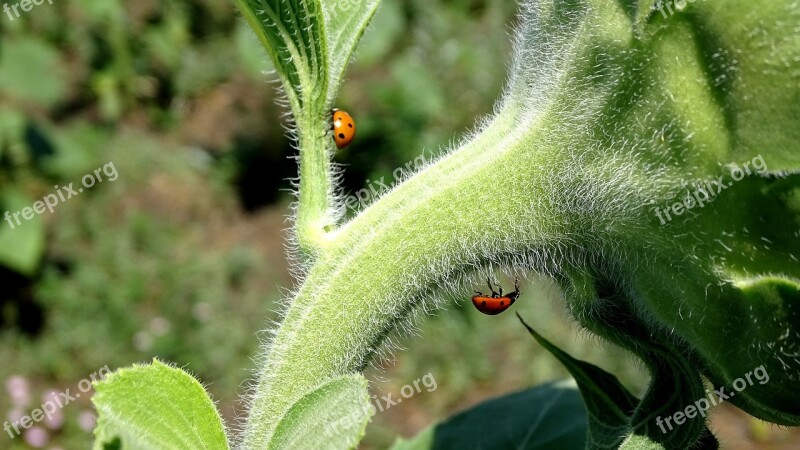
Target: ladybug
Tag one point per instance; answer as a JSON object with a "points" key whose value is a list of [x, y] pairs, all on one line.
{"points": [[497, 303], [344, 128]]}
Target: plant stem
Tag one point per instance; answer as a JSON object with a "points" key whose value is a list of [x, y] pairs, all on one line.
{"points": [[314, 217]]}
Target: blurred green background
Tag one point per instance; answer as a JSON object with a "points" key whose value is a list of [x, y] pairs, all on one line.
{"points": [[182, 257]]}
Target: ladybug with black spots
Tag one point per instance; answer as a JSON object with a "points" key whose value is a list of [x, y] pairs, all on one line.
{"points": [[344, 128], [498, 302]]}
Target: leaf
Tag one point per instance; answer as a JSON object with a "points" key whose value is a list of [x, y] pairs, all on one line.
{"points": [[608, 402], [675, 381], [292, 32], [310, 43], [78, 147], [345, 23], [550, 416], [22, 243], [333, 416], [156, 407], [739, 306], [749, 54]]}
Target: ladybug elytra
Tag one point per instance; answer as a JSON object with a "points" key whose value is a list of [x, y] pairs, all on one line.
{"points": [[344, 128]]}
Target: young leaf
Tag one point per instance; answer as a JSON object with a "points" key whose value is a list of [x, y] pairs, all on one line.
{"points": [[333, 416], [345, 23], [547, 417], [292, 33], [156, 407]]}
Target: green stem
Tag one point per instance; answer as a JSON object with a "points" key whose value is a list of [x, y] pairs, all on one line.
{"points": [[314, 216]]}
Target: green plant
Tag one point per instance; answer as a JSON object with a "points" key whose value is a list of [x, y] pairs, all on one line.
{"points": [[611, 111]]}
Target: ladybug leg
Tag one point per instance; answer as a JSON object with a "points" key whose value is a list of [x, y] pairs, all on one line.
{"points": [[494, 294], [501, 291], [329, 116], [513, 295], [478, 293], [330, 112]]}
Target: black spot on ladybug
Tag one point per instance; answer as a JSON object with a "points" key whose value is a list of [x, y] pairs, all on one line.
{"points": [[502, 303], [350, 125], [483, 303], [341, 135]]}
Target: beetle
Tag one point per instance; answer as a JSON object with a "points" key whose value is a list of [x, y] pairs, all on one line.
{"points": [[498, 302], [344, 128]]}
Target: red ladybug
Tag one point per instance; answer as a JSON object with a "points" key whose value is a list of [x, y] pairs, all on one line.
{"points": [[344, 128], [497, 303]]}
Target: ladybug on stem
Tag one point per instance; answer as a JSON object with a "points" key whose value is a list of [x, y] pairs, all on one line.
{"points": [[497, 303], [344, 128]]}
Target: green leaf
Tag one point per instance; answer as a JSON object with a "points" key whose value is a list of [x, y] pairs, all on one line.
{"points": [[675, 381], [345, 23], [333, 416], [749, 51], [78, 147], [156, 407], [608, 403], [21, 244], [292, 32], [309, 54], [545, 417], [738, 304]]}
